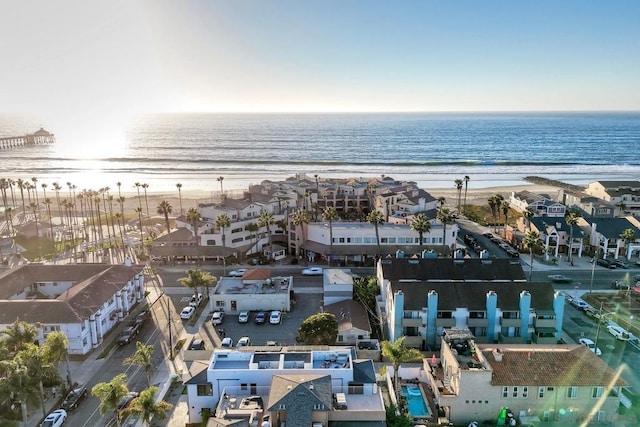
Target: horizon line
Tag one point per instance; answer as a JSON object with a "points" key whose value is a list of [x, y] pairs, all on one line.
{"points": [[391, 112]]}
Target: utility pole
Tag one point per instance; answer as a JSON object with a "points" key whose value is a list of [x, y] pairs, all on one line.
{"points": [[170, 335], [593, 270]]}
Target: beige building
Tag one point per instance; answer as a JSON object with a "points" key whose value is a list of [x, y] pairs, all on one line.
{"points": [[569, 383]]}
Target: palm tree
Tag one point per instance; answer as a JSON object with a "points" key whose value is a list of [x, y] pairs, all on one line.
{"points": [[197, 278], [21, 186], [137, 185], [252, 228], [458, 183], [34, 208], [265, 219], [57, 187], [110, 393], [628, 235], [528, 213], [164, 209], [193, 218], [146, 201], [139, 212], [571, 218], [16, 383], [146, 406], [397, 353], [441, 200], [445, 216], [421, 225], [504, 205], [299, 219], [179, 187], [8, 213], [17, 335], [220, 179], [47, 203], [143, 357], [330, 214], [532, 241], [34, 188], [44, 190], [223, 221], [375, 218], [494, 204]]}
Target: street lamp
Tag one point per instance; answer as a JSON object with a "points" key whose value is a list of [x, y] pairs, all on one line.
{"points": [[593, 271]]}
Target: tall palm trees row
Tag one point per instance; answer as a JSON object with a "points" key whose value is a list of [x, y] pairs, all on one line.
{"points": [[458, 183]]}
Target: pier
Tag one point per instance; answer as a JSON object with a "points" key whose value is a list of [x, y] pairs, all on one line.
{"points": [[40, 137]]}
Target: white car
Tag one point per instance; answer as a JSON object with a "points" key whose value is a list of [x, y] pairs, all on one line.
{"points": [[618, 332], [226, 342], [217, 318], [55, 419], [579, 304], [275, 317], [237, 273], [590, 345], [187, 313], [243, 317], [196, 299], [243, 342], [313, 271]]}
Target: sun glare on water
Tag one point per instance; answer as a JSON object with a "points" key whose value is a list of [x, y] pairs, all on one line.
{"points": [[90, 144]]}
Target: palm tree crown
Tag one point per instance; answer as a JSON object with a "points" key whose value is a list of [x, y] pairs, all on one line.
{"points": [[421, 225]]}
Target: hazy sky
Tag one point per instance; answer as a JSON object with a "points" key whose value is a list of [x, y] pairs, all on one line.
{"points": [[82, 60]]}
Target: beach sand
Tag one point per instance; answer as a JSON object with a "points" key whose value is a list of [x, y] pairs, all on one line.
{"points": [[191, 198]]}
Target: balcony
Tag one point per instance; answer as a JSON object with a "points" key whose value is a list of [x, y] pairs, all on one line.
{"points": [[509, 340], [477, 322], [510, 323], [446, 322], [407, 322], [544, 323]]}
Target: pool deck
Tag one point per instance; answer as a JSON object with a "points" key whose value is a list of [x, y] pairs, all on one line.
{"points": [[431, 405]]}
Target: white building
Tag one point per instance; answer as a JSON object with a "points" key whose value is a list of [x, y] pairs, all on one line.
{"points": [[265, 379], [85, 301], [256, 290]]}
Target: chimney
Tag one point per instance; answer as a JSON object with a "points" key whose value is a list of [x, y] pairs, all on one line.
{"points": [[497, 355], [127, 261]]}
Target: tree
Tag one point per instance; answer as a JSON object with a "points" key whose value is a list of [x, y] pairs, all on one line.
{"points": [[532, 241], [299, 219], [375, 218], [220, 179], [628, 235], [198, 279], [528, 214], [571, 218], [458, 183], [17, 335], [137, 185], [397, 420], [143, 357], [110, 393], [223, 221], [179, 187], [445, 216], [252, 228], [318, 329], [494, 204], [505, 206], [421, 225], [17, 384], [146, 406], [466, 185], [330, 214], [397, 354], [164, 209], [265, 219], [139, 212], [146, 201]]}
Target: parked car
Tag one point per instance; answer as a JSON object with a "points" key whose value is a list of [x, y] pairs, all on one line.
{"points": [[244, 341], [128, 333], [488, 235], [587, 342], [237, 273], [74, 397], [55, 419], [605, 263], [243, 317], [619, 284], [620, 263], [272, 343], [217, 317], [559, 278], [619, 332], [226, 342], [196, 299], [313, 271], [260, 318], [187, 313], [142, 316], [579, 304], [197, 344], [126, 400], [275, 317]]}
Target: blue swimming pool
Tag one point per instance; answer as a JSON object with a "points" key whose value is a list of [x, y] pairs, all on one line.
{"points": [[416, 401]]}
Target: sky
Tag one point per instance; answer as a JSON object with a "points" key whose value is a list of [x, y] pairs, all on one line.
{"points": [[90, 63]]}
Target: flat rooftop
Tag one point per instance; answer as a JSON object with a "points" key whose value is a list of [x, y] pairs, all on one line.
{"points": [[236, 285]]}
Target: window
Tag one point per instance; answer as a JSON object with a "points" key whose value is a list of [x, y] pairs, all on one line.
{"points": [[597, 392], [515, 392], [219, 303], [357, 240], [540, 392], [318, 406], [243, 386], [525, 391], [340, 338], [282, 407], [205, 390], [572, 392], [505, 392]]}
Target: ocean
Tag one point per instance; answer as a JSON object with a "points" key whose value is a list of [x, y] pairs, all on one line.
{"points": [[433, 149]]}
